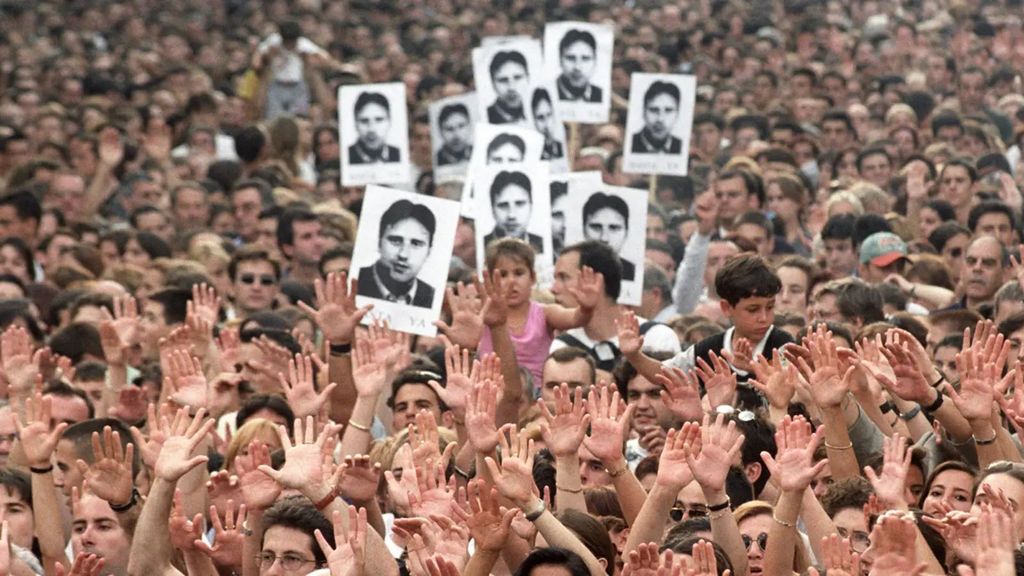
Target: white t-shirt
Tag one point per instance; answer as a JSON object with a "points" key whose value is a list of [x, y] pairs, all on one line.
{"points": [[659, 339], [287, 66]]}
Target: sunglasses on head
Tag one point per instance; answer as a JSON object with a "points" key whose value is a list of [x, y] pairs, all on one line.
{"points": [[264, 279], [762, 541]]}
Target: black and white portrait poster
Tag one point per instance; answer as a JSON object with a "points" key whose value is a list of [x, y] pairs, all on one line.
{"points": [[451, 135], [496, 144], [505, 75], [658, 123], [513, 201], [578, 61], [374, 131], [616, 216], [588, 181], [549, 124], [401, 257]]}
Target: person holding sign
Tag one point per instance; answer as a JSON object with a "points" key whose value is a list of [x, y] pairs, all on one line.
{"points": [[455, 125], [405, 239], [577, 56], [512, 205], [661, 109], [511, 78], [373, 121], [606, 219]]}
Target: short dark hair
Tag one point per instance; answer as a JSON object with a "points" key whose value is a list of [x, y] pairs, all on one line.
{"points": [[539, 95], [573, 36], [964, 163], [249, 143], [945, 232], [506, 138], [272, 402], [507, 178], [449, 110], [945, 119], [990, 207], [839, 116], [343, 250], [1012, 324], [17, 483], [599, 200], [751, 181], [175, 303], [602, 259], [65, 390], [25, 205], [568, 354], [659, 87], [709, 118], [251, 254], [298, 513], [286, 223], [847, 493], [859, 300], [503, 57], [871, 151], [404, 210], [417, 376], [839, 227], [367, 98], [76, 340], [746, 276], [556, 556]]}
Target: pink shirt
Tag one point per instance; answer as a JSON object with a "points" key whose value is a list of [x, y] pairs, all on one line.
{"points": [[531, 344]]}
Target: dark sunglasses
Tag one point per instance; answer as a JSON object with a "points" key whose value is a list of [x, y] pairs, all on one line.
{"points": [[677, 513], [265, 279], [762, 541]]}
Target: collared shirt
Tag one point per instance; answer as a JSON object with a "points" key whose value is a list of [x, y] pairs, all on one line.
{"points": [[508, 116], [651, 147], [687, 360], [552, 149], [446, 156], [567, 91], [367, 156], [392, 297]]}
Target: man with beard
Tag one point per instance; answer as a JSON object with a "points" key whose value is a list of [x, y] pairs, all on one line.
{"points": [[661, 109]]}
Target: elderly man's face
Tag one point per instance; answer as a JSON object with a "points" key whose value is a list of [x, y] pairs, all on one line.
{"points": [[607, 226], [404, 248], [372, 124], [510, 82], [660, 115], [578, 63]]}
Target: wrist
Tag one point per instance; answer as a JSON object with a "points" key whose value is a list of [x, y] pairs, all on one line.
{"points": [[615, 466]]}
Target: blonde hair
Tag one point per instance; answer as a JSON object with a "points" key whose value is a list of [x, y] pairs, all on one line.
{"points": [[254, 429], [841, 197], [872, 198]]}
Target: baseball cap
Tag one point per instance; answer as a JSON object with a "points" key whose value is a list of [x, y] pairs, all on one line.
{"points": [[882, 249]]}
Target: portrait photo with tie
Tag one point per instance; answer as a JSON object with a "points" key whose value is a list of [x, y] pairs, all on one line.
{"points": [[616, 216], [505, 75], [374, 134], [452, 122], [401, 256], [498, 145], [658, 123], [513, 201], [578, 62]]}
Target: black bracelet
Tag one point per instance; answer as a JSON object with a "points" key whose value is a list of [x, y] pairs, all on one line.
{"points": [[939, 399], [46, 470], [942, 378], [119, 508], [720, 507], [341, 349], [887, 407]]}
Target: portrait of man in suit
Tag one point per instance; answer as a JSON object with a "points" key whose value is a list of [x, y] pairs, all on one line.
{"points": [[577, 56], [606, 219], [544, 119], [456, 135], [372, 113], [512, 206], [406, 235], [510, 77], [661, 110]]}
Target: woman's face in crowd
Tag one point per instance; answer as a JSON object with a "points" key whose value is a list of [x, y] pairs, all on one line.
{"points": [[12, 262], [793, 296], [928, 220], [754, 530], [951, 488], [784, 208], [135, 255]]}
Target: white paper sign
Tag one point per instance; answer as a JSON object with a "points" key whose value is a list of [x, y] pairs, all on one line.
{"points": [[452, 122], [659, 123], [578, 62], [514, 201], [497, 145], [505, 75], [374, 131]]}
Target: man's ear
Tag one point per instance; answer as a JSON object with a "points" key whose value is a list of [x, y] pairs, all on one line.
{"points": [[752, 471], [448, 419], [726, 307]]}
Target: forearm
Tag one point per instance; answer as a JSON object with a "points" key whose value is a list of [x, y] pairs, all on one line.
{"points": [[690, 277], [99, 190], [918, 425], [935, 296], [508, 407], [151, 549], [782, 536], [570, 486], [1007, 445], [343, 397], [117, 379], [198, 564], [514, 552], [816, 521], [726, 531], [649, 525], [46, 516], [561, 318], [252, 544], [869, 404], [988, 448], [648, 367], [556, 534], [841, 457], [630, 492], [481, 563], [357, 438]]}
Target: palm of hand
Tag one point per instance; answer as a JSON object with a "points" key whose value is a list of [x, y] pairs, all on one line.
{"points": [[720, 389], [35, 443], [182, 532], [370, 378], [456, 391], [565, 435], [428, 450], [890, 483], [673, 469], [21, 371], [191, 390], [127, 330], [229, 548], [487, 531], [303, 399], [259, 491], [794, 470], [495, 312], [110, 480], [302, 466], [336, 322], [359, 484], [780, 389], [467, 328], [435, 501], [605, 439], [342, 559], [483, 434], [170, 465], [630, 341], [975, 400], [516, 482], [712, 466], [826, 386]]}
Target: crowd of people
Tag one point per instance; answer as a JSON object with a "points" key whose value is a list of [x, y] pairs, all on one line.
{"points": [[825, 373]]}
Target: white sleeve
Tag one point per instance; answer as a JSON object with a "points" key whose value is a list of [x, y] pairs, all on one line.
{"points": [[306, 46], [690, 276], [685, 360]]}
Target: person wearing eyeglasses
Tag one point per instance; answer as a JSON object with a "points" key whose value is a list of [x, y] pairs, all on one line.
{"points": [[254, 280], [288, 546]]}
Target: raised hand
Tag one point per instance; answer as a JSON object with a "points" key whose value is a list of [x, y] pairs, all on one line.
{"points": [[775, 381], [110, 476], [433, 495], [18, 361], [839, 559], [222, 487], [481, 417], [704, 561], [399, 487], [488, 523], [996, 542], [186, 380], [38, 439], [906, 381], [369, 374], [183, 532], [230, 344], [84, 565], [110, 147], [645, 561], [680, 394], [348, 556], [829, 386], [303, 462], [793, 465], [228, 536], [890, 485], [205, 303], [130, 407], [609, 423], [959, 530], [564, 429], [459, 368], [336, 313], [120, 330], [674, 471], [259, 491], [390, 346], [719, 446], [184, 435], [299, 390], [742, 355], [467, 325], [893, 538], [631, 341], [360, 480], [425, 440], [719, 381], [977, 386], [495, 306], [589, 289], [514, 477]]}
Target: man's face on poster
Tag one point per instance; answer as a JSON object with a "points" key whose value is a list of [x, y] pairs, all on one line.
{"points": [[578, 61], [455, 132], [543, 116], [512, 207], [404, 248], [558, 216], [505, 154], [606, 226], [660, 115], [372, 124], [510, 82]]}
